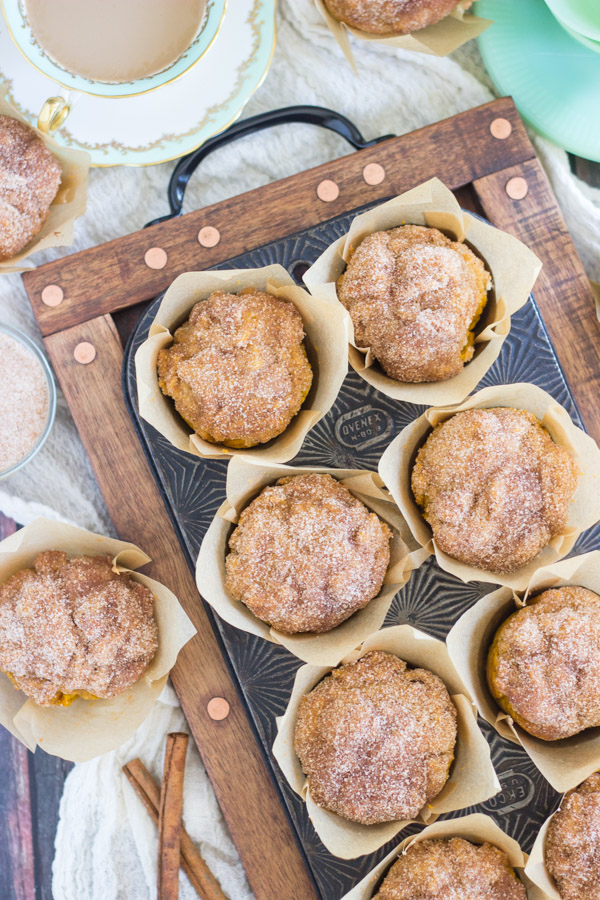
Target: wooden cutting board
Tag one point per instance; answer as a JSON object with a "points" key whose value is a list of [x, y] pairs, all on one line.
{"points": [[83, 301]]}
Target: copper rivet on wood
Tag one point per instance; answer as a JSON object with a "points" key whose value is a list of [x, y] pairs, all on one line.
{"points": [[209, 236], [500, 129], [155, 258], [218, 708], [84, 353], [373, 173], [53, 295], [327, 191], [516, 188]]}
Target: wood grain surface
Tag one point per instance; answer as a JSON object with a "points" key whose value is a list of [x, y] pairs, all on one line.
{"points": [[229, 748], [114, 275], [100, 281]]}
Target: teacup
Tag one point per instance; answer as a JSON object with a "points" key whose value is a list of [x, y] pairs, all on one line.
{"points": [[56, 109]]}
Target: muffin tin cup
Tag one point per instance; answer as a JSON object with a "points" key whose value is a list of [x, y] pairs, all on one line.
{"points": [[88, 728], [244, 482], [396, 465], [564, 763], [434, 40], [536, 869], [326, 340], [68, 205], [472, 777], [477, 828], [513, 267]]}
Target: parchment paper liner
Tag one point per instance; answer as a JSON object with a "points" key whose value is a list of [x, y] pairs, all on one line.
{"points": [[395, 467], [88, 728], [327, 338], [477, 828], [434, 40], [514, 269], [536, 869], [244, 482], [68, 205], [472, 777], [565, 763]]}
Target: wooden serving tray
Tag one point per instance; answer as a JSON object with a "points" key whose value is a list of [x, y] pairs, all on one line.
{"points": [[99, 285]]}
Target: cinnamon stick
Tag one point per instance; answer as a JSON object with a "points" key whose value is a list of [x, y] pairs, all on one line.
{"points": [[169, 816], [202, 879]]}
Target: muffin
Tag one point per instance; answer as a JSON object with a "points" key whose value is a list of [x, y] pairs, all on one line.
{"points": [[452, 869], [391, 16], [376, 739], [29, 181], [306, 555], [237, 369], [414, 297], [74, 627], [494, 487], [544, 664], [572, 848]]}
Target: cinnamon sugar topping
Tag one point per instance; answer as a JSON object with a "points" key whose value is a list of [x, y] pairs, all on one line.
{"points": [[307, 554], [74, 626], [391, 16], [494, 487], [237, 369], [452, 869], [544, 664], [573, 843], [24, 401], [376, 739]]}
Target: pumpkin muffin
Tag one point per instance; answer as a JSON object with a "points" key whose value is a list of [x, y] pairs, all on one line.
{"points": [[75, 627], [307, 554], [572, 848], [376, 739], [414, 297], [237, 368], [391, 16], [494, 487], [452, 869], [544, 664], [29, 181]]}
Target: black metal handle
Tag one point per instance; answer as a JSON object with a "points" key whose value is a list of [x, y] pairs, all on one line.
{"points": [[312, 115]]}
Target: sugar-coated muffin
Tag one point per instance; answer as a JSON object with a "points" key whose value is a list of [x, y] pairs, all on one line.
{"points": [[391, 16], [29, 180], [75, 627], [237, 369], [544, 664], [414, 297], [451, 869], [494, 487], [376, 739], [572, 848], [307, 554]]}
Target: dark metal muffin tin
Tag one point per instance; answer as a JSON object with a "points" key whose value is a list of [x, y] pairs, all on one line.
{"points": [[354, 434]]}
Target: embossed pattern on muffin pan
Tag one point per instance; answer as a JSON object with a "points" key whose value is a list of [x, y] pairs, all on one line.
{"points": [[354, 434]]}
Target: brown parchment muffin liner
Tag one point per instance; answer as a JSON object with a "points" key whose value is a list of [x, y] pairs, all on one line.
{"points": [[435, 40], [564, 763], [396, 465], [472, 777], [326, 341], [513, 267], [88, 728], [536, 869], [477, 828], [244, 482], [68, 205]]}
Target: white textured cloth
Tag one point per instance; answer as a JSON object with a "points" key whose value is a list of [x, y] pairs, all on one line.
{"points": [[105, 848]]}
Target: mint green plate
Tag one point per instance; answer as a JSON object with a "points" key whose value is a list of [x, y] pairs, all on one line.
{"points": [[553, 79]]}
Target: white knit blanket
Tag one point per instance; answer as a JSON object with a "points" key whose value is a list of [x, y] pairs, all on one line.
{"points": [[106, 846]]}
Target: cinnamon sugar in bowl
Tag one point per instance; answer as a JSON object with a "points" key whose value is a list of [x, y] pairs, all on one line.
{"points": [[27, 400]]}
